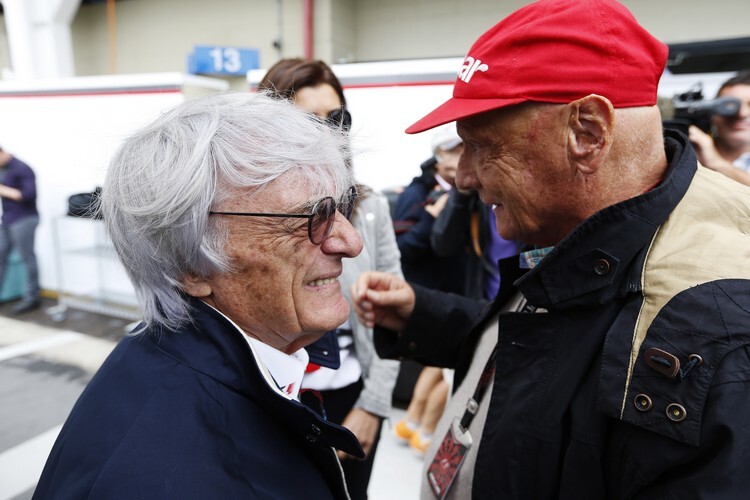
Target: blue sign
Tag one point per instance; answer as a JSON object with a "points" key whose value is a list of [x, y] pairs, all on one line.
{"points": [[216, 60]]}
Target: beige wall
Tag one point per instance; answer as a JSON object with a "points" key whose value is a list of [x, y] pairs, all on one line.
{"points": [[157, 35], [677, 21], [410, 29], [405, 29]]}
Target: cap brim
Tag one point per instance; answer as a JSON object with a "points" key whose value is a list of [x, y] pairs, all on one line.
{"points": [[456, 108]]}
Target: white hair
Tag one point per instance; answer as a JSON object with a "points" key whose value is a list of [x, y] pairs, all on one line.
{"points": [[166, 177]]}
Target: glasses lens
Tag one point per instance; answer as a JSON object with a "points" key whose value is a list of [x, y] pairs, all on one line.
{"points": [[346, 205], [340, 118], [321, 221]]}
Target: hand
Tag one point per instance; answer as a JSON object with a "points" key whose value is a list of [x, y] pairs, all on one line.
{"points": [[434, 209], [705, 149], [10, 193], [709, 157], [364, 425], [383, 299]]}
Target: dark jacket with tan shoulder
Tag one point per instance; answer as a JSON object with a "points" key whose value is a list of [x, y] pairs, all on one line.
{"points": [[634, 383]]}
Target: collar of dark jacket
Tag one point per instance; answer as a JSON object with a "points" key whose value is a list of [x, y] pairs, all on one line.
{"points": [[211, 345], [595, 262]]}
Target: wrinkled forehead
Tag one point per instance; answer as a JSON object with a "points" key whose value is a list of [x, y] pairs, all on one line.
{"points": [[506, 120]]}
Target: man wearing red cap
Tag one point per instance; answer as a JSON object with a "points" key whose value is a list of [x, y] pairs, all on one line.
{"points": [[614, 361]]}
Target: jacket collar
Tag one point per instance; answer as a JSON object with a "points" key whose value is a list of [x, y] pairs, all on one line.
{"points": [[594, 263], [213, 346]]}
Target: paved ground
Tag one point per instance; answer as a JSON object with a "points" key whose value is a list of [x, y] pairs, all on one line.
{"points": [[44, 366]]}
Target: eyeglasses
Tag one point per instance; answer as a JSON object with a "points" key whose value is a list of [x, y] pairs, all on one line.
{"points": [[320, 218], [339, 118]]}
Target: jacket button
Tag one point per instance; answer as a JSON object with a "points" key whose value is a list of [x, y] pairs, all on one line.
{"points": [[315, 430], [643, 402], [602, 267], [698, 359], [676, 412]]}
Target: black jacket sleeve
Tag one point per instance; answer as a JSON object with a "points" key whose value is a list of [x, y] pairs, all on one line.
{"points": [[435, 331]]}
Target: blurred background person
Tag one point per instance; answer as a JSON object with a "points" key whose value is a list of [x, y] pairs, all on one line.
{"points": [[425, 408], [358, 394], [727, 149], [419, 206], [229, 214], [18, 225], [466, 226]]}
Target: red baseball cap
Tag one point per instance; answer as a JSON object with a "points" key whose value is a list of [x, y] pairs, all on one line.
{"points": [[556, 51]]}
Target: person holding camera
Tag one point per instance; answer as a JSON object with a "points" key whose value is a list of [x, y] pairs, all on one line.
{"points": [[727, 149]]}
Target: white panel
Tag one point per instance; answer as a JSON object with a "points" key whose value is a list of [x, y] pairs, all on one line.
{"points": [[385, 156], [69, 139]]}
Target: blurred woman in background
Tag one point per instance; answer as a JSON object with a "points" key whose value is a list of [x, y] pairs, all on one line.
{"points": [[358, 394]]}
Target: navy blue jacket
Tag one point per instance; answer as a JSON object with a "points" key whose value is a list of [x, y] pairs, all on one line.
{"points": [[633, 383], [188, 415]]}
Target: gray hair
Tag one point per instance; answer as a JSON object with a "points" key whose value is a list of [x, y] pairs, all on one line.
{"points": [[166, 177]]}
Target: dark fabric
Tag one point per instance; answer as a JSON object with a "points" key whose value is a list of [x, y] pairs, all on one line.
{"points": [[451, 235], [413, 227], [19, 176], [188, 415], [560, 424], [326, 351], [338, 403]]}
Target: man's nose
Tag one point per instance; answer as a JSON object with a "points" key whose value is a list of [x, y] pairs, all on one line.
{"points": [[465, 174], [344, 239]]}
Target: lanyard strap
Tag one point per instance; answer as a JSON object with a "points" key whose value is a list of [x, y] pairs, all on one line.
{"points": [[472, 405], [488, 373]]}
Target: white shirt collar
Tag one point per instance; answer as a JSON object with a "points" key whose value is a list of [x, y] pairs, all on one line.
{"points": [[282, 372], [287, 370]]}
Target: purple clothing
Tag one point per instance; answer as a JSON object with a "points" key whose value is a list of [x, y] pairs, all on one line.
{"points": [[497, 248], [16, 174]]}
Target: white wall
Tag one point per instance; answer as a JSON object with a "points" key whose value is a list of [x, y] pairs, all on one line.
{"points": [[67, 131]]}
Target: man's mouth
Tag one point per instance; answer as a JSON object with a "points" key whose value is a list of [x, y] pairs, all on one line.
{"points": [[322, 282]]}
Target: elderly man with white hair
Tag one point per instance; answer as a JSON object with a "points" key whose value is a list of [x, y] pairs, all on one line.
{"points": [[229, 214]]}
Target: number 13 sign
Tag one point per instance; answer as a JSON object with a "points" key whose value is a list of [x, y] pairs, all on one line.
{"points": [[217, 60]]}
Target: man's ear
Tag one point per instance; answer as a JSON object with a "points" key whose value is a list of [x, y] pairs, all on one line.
{"points": [[195, 286], [590, 124]]}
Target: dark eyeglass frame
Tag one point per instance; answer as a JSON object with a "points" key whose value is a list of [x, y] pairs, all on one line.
{"points": [[339, 118], [321, 216]]}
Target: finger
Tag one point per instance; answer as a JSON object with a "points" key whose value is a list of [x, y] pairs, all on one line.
{"points": [[364, 282], [375, 281], [384, 298]]}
